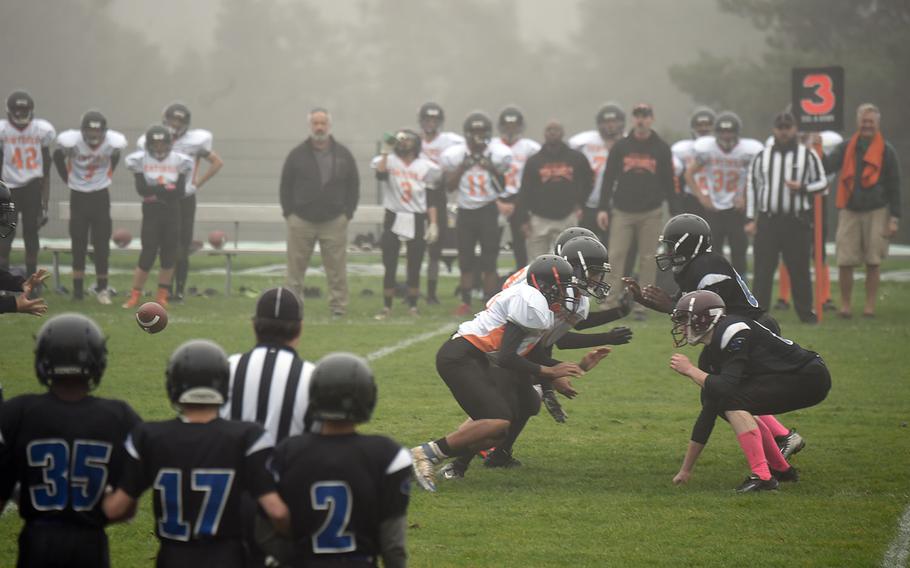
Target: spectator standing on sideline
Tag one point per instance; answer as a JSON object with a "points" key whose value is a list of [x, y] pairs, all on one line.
{"points": [[638, 178], [554, 186], [320, 188], [869, 200], [782, 180]]}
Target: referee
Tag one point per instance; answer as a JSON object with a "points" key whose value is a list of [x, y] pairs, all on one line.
{"points": [[270, 384], [783, 179]]}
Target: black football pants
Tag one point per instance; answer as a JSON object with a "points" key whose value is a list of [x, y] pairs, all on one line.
{"points": [[391, 245], [160, 224], [727, 227], [90, 213], [789, 236], [62, 545]]}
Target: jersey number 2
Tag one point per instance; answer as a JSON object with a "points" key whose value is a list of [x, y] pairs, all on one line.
{"points": [[333, 535], [215, 483], [78, 481]]}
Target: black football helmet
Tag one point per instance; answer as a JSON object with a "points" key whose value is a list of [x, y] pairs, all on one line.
{"points": [[511, 123], [198, 373], [591, 264], [20, 108], [611, 120], [8, 215], [342, 388], [94, 128], [701, 121], [554, 277], [176, 117], [726, 130], [478, 129], [158, 142], [70, 346], [569, 234], [684, 237], [407, 142], [696, 313], [430, 117]]}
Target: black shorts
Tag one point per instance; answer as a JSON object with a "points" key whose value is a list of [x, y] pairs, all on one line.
{"points": [[779, 393], [62, 544], [221, 553], [484, 391], [475, 226]]}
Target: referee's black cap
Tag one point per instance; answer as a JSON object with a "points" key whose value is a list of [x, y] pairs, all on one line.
{"points": [[279, 304]]}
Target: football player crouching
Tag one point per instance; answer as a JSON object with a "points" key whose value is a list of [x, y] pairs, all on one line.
{"points": [[348, 493], [491, 362], [198, 465], [411, 198], [745, 370]]}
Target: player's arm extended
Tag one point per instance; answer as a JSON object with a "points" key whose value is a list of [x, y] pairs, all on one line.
{"points": [[60, 163], [277, 511], [693, 451], [119, 506]]}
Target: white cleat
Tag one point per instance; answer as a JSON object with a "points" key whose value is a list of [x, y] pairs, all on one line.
{"points": [[104, 297], [422, 465]]}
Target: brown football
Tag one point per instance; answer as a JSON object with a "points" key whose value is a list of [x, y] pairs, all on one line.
{"points": [[151, 317], [121, 237], [217, 239]]}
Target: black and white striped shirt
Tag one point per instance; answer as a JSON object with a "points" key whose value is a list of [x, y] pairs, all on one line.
{"points": [[766, 191], [270, 385]]}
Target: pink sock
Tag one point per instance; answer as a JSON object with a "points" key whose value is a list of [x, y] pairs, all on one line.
{"points": [[750, 442], [776, 460], [777, 429]]}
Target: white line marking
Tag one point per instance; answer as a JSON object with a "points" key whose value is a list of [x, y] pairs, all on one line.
{"points": [[408, 341], [896, 556]]}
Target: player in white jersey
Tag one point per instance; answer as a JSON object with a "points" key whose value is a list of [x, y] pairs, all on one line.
{"points": [[26, 157], [475, 171], [701, 123], [86, 159], [431, 117], [596, 145], [161, 176], [511, 126], [720, 170], [410, 196], [197, 144], [487, 364]]}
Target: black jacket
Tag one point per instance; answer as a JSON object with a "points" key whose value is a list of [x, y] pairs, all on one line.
{"points": [[638, 176], [302, 192], [556, 181]]}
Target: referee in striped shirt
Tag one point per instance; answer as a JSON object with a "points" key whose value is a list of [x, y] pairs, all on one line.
{"points": [[782, 182], [270, 384]]}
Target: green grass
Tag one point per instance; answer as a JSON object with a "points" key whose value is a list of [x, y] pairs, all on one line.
{"points": [[595, 491]]}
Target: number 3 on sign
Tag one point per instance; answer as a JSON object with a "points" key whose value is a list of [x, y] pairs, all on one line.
{"points": [[822, 88]]}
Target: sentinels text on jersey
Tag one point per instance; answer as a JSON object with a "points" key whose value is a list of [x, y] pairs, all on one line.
{"points": [[159, 172], [195, 143], [725, 174], [23, 159], [405, 190], [90, 168], [477, 186]]}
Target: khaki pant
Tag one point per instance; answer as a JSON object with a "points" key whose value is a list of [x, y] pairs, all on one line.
{"points": [[333, 241], [861, 237], [544, 232], [625, 229]]}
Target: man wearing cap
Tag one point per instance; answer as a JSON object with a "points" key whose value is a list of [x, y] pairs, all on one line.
{"points": [[637, 181], [320, 188], [270, 385], [783, 179]]}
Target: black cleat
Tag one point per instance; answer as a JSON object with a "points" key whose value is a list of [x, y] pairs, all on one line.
{"points": [[781, 304], [791, 444], [432, 301], [548, 396], [791, 475], [754, 483], [501, 458]]}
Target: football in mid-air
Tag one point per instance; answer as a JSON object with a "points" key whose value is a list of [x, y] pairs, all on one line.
{"points": [[121, 237], [217, 239], [151, 317]]}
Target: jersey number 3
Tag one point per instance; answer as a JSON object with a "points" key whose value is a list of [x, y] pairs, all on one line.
{"points": [[333, 536], [77, 478]]}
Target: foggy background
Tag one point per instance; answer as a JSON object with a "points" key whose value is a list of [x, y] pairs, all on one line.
{"points": [[251, 69]]}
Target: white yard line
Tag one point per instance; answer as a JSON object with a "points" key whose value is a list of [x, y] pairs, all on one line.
{"points": [[896, 556], [408, 341]]}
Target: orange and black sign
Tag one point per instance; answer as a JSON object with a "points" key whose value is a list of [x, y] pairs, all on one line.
{"points": [[818, 98]]}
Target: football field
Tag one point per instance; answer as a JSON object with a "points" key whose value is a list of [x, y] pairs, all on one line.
{"points": [[595, 491]]}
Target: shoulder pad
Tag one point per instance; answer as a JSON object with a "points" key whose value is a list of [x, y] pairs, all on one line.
{"points": [[116, 140], [734, 336], [69, 138]]}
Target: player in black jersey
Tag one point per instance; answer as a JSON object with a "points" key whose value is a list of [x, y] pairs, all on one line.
{"points": [[64, 447], [744, 370], [687, 250], [348, 493], [198, 465]]}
